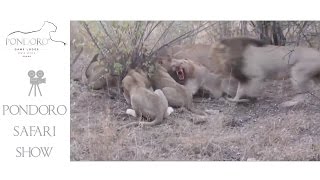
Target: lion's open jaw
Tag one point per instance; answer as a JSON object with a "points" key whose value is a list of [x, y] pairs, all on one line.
{"points": [[180, 73]]}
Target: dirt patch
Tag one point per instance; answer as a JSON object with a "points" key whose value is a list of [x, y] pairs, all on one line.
{"points": [[231, 132]]}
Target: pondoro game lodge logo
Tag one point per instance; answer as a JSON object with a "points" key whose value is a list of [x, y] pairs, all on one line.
{"points": [[27, 44]]}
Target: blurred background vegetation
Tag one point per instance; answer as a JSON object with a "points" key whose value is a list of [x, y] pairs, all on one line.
{"points": [[134, 43]]}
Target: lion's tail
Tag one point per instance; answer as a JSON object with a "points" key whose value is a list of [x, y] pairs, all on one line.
{"points": [[95, 58]]}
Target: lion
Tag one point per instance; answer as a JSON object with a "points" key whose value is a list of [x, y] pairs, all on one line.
{"points": [[143, 100], [97, 75], [196, 76], [199, 55], [140, 79], [176, 94], [250, 61]]}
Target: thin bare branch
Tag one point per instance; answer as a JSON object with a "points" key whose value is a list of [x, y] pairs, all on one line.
{"points": [[152, 29], [162, 35], [86, 27], [183, 36], [77, 57], [109, 36]]}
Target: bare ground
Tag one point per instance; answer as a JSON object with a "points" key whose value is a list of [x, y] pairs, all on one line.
{"points": [[232, 132]]}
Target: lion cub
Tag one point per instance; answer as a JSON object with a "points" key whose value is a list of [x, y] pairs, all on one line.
{"points": [[143, 100]]}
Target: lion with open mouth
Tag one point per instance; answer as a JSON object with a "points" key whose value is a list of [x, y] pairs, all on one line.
{"points": [[195, 76]]}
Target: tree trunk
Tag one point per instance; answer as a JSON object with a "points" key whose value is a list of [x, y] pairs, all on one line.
{"points": [[271, 32]]}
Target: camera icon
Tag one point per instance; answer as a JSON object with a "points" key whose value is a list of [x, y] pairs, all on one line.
{"points": [[35, 81]]}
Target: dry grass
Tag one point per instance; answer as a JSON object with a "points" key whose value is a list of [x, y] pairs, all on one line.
{"points": [[255, 131]]}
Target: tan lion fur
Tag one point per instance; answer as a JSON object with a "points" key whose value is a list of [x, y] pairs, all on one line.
{"points": [[251, 61], [143, 100]]}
